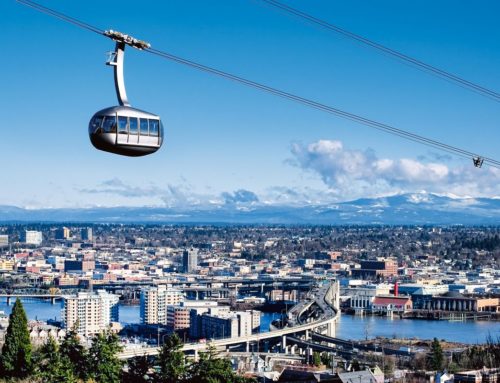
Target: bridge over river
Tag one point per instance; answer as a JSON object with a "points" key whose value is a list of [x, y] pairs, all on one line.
{"points": [[26, 297]]}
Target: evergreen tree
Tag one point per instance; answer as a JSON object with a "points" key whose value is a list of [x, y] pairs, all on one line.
{"points": [[316, 359], [211, 369], [16, 351], [326, 359], [103, 364], [478, 356], [171, 361], [75, 353], [138, 369], [51, 366], [436, 356]]}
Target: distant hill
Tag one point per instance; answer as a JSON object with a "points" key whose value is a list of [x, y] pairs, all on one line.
{"points": [[415, 208]]}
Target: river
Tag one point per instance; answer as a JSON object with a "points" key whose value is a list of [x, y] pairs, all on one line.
{"points": [[349, 327], [356, 327]]}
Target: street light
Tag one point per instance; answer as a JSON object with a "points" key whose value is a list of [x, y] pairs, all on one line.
{"points": [[158, 333]]}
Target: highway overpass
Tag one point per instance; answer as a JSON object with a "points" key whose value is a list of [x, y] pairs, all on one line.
{"points": [[326, 297]]}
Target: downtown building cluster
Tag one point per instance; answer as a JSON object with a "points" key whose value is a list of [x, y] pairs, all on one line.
{"points": [[167, 306], [384, 270]]}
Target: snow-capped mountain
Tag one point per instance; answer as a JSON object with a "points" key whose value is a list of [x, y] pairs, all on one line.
{"points": [[415, 208]]}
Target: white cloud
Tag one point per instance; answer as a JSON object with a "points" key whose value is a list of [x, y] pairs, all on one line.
{"points": [[240, 196], [354, 173], [118, 187], [181, 195], [346, 175]]}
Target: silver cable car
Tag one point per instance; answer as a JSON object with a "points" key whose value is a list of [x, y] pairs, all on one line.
{"points": [[122, 129]]}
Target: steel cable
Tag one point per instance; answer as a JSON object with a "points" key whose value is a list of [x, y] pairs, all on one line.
{"points": [[314, 104]]}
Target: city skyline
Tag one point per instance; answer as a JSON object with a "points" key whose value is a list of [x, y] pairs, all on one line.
{"points": [[225, 142], [373, 294]]}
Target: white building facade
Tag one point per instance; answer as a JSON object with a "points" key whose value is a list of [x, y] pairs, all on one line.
{"points": [[4, 240], [92, 313], [154, 302], [32, 237]]}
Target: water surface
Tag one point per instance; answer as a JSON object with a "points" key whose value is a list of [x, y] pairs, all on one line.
{"points": [[356, 327], [349, 327]]}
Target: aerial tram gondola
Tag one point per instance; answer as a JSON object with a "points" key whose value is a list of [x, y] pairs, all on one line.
{"points": [[132, 132], [122, 129]]}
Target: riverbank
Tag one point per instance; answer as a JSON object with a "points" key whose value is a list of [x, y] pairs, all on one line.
{"points": [[450, 316], [348, 327]]}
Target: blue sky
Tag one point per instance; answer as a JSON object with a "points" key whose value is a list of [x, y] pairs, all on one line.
{"points": [[222, 137]]}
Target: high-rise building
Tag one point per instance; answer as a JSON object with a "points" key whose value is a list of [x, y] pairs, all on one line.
{"points": [[154, 302], [244, 323], [31, 237], [178, 316], [63, 233], [93, 312], [190, 260], [255, 319], [86, 234], [4, 240]]}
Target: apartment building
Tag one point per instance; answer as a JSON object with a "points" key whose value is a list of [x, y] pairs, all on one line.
{"points": [[91, 312], [31, 237], [154, 302]]}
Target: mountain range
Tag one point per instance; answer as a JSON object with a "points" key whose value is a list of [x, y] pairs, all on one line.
{"points": [[413, 208]]}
